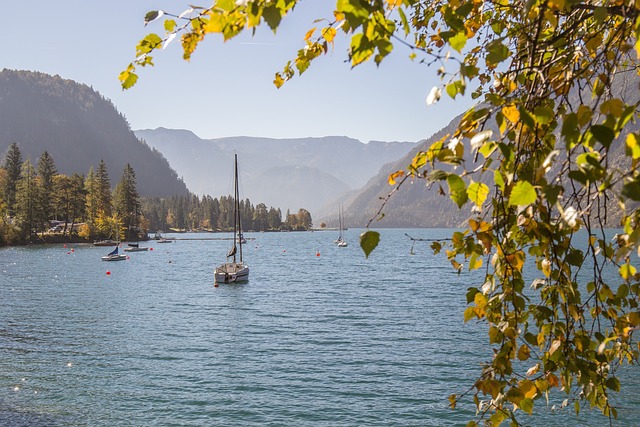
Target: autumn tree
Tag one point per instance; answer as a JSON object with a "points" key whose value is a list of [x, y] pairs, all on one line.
{"points": [[548, 154]]}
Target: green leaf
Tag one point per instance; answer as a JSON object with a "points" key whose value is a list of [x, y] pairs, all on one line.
{"points": [[457, 190], [152, 16], [368, 241], [498, 179], [526, 405], [543, 115], [497, 53], [458, 41], [455, 88], [522, 194], [128, 78], [613, 383], [603, 134], [478, 193], [631, 190], [272, 16]]}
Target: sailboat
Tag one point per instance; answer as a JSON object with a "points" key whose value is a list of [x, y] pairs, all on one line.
{"points": [[234, 270], [341, 242], [114, 256], [135, 247]]}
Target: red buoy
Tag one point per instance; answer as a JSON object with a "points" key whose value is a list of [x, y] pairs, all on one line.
{"points": [[317, 253], [108, 273]]}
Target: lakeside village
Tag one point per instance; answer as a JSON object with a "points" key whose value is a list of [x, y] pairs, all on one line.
{"points": [[40, 205]]}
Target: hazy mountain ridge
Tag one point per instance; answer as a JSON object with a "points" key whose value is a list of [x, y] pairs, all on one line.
{"points": [[417, 205], [78, 127], [287, 173]]}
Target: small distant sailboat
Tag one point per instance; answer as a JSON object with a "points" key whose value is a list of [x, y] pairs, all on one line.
{"points": [[105, 242], [114, 256], [234, 270], [135, 247], [340, 241], [161, 239]]}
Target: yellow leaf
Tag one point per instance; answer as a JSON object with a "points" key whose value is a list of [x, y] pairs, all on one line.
{"points": [[554, 346], [612, 106], [329, 34], [394, 3], [545, 265], [469, 313], [480, 300], [528, 388], [475, 263], [452, 401], [633, 146], [309, 34], [511, 113], [584, 115], [627, 271], [556, 4], [524, 352], [394, 176]]}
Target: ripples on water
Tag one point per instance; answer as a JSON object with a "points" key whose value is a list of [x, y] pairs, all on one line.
{"points": [[328, 340]]}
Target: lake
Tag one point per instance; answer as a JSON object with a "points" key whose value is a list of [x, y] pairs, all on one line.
{"points": [[319, 336]]}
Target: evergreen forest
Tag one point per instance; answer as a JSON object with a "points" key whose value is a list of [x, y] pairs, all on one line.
{"points": [[38, 204]]}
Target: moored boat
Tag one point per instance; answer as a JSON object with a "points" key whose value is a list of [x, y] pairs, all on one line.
{"points": [[135, 247], [114, 256], [234, 270]]}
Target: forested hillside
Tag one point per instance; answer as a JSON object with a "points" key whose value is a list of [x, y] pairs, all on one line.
{"points": [[77, 127]]}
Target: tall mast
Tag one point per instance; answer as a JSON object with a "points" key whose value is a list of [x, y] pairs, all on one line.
{"points": [[237, 228]]}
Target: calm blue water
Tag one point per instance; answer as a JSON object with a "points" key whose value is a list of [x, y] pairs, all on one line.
{"points": [[328, 340]]}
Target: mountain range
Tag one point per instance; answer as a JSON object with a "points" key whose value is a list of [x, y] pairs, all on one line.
{"points": [[79, 127], [290, 174]]}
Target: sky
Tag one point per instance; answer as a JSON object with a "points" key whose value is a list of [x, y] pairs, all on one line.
{"points": [[226, 89]]}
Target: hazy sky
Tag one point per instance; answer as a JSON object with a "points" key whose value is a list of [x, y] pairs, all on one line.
{"points": [[226, 89]]}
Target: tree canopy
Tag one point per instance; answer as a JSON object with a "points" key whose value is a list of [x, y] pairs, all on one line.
{"points": [[549, 153]]}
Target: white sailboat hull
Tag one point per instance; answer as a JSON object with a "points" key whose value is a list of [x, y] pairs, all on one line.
{"points": [[230, 272], [115, 257]]}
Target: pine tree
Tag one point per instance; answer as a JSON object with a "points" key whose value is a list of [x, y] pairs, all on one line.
{"points": [[26, 210], [103, 186], [127, 200], [46, 171], [78, 199], [13, 166]]}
